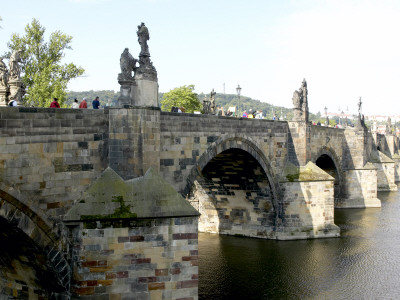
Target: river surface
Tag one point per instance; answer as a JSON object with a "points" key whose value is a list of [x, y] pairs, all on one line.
{"points": [[364, 263]]}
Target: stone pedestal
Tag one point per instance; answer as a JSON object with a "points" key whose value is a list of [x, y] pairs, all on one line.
{"points": [[308, 200], [3, 96], [145, 93], [126, 91], [17, 90]]}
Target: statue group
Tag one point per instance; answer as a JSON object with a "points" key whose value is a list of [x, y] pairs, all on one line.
{"points": [[11, 86], [132, 77]]}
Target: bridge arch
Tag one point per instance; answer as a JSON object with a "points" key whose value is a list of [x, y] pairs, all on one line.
{"points": [[234, 185], [33, 254], [234, 142], [327, 159]]}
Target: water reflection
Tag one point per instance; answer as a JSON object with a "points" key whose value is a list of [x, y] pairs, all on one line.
{"points": [[364, 263]]}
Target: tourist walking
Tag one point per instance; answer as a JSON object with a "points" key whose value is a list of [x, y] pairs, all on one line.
{"points": [[96, 103], [55, 104], [75, 104], [83, 103]]}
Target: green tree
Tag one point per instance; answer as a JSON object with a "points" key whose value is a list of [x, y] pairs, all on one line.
{"points": [[44, 75], [181, 97]]}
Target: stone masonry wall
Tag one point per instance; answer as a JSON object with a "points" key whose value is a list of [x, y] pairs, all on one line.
{"points": [[234, 197], [143, 259], [51, 155], [360, 189], [134, 141], [327, 140], [309, 210], [185, 138], [386, 176], [356, 154]]}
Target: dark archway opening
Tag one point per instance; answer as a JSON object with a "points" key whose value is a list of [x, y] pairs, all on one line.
{"points": [[234, 196], [25, 272], [326, 163]]}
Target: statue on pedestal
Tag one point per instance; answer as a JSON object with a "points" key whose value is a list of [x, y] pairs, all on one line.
{"points": [[212, 102], [128, 65], [361, 121], [15, 70], [4, 89], [206, 105], [389, 126], [143, 37], [3, 74], [146, 69], [11, 85], [141, 88], [300, 103]]}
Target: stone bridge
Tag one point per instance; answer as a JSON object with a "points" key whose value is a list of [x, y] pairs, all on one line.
{"points": [[250, 177]]}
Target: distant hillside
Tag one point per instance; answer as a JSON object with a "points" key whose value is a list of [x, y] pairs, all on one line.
{"points": [[104, 96], [224, 100], [247, 103]]}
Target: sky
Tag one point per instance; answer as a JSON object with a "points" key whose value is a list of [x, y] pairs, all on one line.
{"points": [[345, 49]]}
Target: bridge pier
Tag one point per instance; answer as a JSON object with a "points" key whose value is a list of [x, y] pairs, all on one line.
{"points": [[385, 168], [308, 204], [359, 188], [134, 239]]}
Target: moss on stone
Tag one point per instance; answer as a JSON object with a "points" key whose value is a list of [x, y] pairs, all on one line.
{"points": [[122, 212], [110, 197], [309, 172]]}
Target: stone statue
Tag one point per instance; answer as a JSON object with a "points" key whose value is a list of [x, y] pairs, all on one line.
{"points": [[15, 71], [304, 91], [300, 103], [3, 74], [389, 125], [206, 105], [146, 69], [359, 106], [128, 65], [296, 99], [143, 37], [141, 89], [212, 101]]}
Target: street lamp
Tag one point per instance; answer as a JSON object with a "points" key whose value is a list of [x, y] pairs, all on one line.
{"points": [[238, 89]]}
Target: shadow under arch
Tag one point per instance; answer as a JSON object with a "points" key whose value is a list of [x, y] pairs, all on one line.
{"points": [[327, 160], [231, 142], [233, 149], [34, 251]]}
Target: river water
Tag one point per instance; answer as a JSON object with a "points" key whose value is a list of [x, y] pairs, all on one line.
{"points": [[364, 263]]}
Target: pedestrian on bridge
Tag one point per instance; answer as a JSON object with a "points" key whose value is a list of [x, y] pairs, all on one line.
{"points": [[55, 103], [83, 103], [96, 103]]}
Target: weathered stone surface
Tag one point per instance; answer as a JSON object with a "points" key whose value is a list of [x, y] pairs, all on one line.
{"points": [[110, 197], [151, 258]]}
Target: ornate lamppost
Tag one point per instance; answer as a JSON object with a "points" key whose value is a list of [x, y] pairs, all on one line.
{"points": [[238, 89]]}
